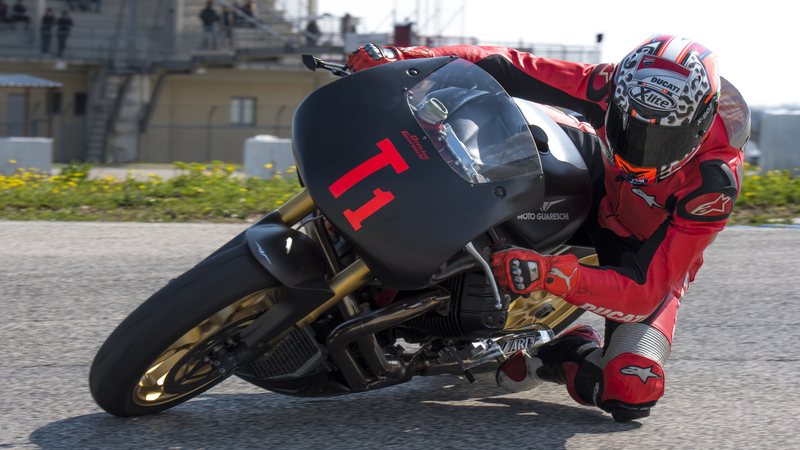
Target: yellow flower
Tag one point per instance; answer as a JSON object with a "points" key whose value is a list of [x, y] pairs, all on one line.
{"points": [[12, 161], [268, 166], [243, 190]]}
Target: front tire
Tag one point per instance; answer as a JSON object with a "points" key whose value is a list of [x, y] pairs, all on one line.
{"points": [[163, 353]]}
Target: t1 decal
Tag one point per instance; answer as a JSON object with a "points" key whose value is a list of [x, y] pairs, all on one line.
{"points": [[388, 156], [380, 200]]}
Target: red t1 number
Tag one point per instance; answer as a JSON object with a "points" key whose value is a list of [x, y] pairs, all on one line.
{"points": [[387, 157]]}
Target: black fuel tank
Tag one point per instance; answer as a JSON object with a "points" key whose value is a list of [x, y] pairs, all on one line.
{"points": [[568, 187]]}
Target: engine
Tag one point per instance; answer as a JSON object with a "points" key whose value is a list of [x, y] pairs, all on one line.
{"points": [[472, 313]]}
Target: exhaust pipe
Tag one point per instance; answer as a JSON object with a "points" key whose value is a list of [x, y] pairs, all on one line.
{"points": [[371, 323]]}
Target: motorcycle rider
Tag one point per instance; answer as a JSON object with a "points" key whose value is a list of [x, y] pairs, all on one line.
{"points": [[663, 139]]}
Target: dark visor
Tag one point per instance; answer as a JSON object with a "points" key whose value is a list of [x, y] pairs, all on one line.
{"points": [[646, 144]]}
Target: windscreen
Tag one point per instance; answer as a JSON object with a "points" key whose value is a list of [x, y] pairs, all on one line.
{"points": [[474, 124]]}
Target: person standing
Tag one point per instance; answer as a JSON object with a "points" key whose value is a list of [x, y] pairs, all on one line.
{"points": [[3, 13], [251, 10], [64, 25], [313, 33], [20, 14], [48, 20], [228, 22], [209, 17]]}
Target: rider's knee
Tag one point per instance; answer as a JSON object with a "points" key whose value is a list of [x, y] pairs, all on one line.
{"points": [[626, 378], [631, 386]]}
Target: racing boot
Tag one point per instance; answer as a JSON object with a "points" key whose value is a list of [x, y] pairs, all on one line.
{"points": [[550, 361]]}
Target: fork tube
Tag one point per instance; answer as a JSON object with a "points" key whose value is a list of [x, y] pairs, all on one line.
{"points": [[368, 345], [298, 207]]}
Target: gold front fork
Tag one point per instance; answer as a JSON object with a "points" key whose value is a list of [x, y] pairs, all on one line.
{"points": [[345, 282]]}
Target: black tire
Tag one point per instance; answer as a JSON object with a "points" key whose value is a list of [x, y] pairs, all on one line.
{"points": [[215, 298]]}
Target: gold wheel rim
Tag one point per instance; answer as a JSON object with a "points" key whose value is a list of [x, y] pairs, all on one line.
{"points": [[522, 311], [151, 390]]}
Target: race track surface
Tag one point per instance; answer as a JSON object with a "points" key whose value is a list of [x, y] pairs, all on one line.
{"points": [[733, 380]]}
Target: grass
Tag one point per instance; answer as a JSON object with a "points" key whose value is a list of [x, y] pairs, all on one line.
{"points": [[202, 193], [211, 193]]}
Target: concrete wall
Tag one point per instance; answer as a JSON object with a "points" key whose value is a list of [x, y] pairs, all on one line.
{"points": [[67, 129], [192, 119], [26, 154], [267, 156], [779, 140]]}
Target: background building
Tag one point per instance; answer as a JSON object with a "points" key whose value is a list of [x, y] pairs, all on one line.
{"points": [[142, 80]]}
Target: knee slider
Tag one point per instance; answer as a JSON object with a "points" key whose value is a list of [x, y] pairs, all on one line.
{"points": [[632, 384]]}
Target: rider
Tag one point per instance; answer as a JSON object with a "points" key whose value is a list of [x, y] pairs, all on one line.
{"points": [[664, 141]]}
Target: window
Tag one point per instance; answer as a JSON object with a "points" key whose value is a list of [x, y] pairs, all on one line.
{"points": [[80, 103], [55, 103], [243, 111]]}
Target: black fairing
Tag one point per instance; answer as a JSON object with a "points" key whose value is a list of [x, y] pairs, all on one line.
{"points": [[432, 212], [567, 188]]}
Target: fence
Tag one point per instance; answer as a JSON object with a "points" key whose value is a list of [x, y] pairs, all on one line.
{"points": [[210, 132]]}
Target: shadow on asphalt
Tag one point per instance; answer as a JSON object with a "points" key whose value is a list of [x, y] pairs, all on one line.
{"points": [[445, 418]]}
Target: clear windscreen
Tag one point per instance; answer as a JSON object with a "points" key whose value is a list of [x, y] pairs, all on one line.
{"points": [[474, 124]]}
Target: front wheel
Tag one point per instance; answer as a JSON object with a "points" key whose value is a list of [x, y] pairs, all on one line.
{"points": [[165, 352]]}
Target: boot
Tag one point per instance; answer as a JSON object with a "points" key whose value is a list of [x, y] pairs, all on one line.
{"points": [[528, 368]]}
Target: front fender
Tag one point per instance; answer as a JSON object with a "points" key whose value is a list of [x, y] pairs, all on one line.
{"points": [[289, 255]]}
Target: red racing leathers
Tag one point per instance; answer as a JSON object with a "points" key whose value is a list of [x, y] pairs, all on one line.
{"points": [[661, 230], [649, 239]]}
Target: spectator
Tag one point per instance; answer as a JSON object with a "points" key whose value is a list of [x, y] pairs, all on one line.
{"points": [[238, 20], [347, 25], [251, 10], [313, 33], [20, 14], [48, 20], [64, 24], [3, 13], [209, 17], [228, 22], [77, 4], [97, 4]]}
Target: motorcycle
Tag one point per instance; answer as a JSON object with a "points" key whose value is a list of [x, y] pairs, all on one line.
{"points": [[414, 173]]}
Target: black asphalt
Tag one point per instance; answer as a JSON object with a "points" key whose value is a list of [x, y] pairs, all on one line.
{"points": [[733, 380]]}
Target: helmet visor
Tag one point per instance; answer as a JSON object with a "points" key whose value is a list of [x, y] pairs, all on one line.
{"points": [[646, 144]]}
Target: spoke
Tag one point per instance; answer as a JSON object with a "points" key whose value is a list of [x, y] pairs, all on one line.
{"points": [[157, 372], [194, 373]]}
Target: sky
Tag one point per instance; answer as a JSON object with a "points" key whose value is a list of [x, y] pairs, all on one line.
{"points": [[751, 39]]}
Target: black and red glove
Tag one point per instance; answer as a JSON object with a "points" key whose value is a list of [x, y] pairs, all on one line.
{"points": [[372, 55], [523, 271]]}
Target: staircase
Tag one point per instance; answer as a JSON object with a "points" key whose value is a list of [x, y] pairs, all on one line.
{"points": [[105, 100]]}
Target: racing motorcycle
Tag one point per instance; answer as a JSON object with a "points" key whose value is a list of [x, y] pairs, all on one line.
{"points": [[414, 173]]}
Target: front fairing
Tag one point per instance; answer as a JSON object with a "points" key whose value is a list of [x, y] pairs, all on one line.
{"points": [[379, 178]]}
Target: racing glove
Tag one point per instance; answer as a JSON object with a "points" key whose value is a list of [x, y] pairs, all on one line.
{"points": [[523, 271], [372, 55]]}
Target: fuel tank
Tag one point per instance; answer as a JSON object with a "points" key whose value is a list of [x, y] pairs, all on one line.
{"points": [[568, 187]]}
